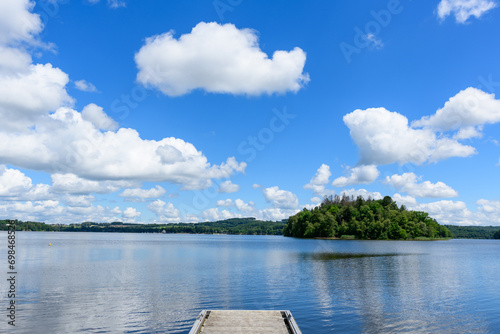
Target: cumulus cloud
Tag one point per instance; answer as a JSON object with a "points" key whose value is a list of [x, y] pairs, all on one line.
{"points": [[456, 212], [131, 214], [85, 86], [361, 174], [40, 130], [466, 110], [72, 184], [407, 201], [31, 94], [464, 9], [448, 212], [384, 137], [319, 181], [96, 115], [469, 133], [244, 207], [315, 200], [15, 185], [18, 24], [166, 212], [408, 183], [280, 198], [488, 212], [218, 58], [228, 187], [65, 143], [68, 209], [276, 214], [227, 202], [361, 192], [13, 61], [138, 194], [214, 214]]}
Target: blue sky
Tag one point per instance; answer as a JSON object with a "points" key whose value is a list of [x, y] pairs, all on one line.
{"points": [[168, 111]]}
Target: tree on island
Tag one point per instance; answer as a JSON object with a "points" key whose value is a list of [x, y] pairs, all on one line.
{"points": [[363, 219], [496, 235]]}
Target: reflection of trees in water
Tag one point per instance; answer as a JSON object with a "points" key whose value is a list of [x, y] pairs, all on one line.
{"points": [[414, 293]]}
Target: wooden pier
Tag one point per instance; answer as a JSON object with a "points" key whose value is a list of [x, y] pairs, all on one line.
{"points": [[245, 322]]}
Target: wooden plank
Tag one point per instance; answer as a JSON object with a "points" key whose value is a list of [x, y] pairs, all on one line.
{"points": [[244, 321]]}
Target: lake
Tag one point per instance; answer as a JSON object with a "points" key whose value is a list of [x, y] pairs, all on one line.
{"points": [[158, 283]]}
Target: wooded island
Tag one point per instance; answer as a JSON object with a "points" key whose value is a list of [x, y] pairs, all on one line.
{"points": [[357, 218]]}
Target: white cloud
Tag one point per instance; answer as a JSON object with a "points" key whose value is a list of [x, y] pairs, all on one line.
{"points": [[166, 212], [13, 61], [246, 208], [361, 192], [464, 9], [456, 212], [12, 180], [448, 212], [227, 202], [131, 213], [85, 86], [96, 115], [17, 23], [374, 41], [276, 214], [214, 214], [407, 201], [31, 94], [72, 184], [77, 210], [408, 183], [116, 3], [78, 201], [111, 3], [255, 186], [66, 143], [280, 198], [138, 194], [488, 212], [384, 137], [31, 210], [361, 174], [218, 59], [319, 180], [37, 133], [28, 90], [316, 200], [16, 186], [469, 133], [228, 187], [469, 108]]}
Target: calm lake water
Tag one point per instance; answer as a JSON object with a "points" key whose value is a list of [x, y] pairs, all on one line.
{"points": [[152, 283]]}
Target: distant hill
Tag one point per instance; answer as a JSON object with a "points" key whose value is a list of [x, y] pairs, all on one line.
{"points": [[473, 232], [228, 226], [347, 217]]}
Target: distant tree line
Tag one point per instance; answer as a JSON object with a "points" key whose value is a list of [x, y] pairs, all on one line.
{"points": [[230, 226], [372, 222], [474, 232], [358, 218]]}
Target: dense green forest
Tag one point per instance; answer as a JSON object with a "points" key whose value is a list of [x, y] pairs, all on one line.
{"points": [[474, 232], [363, 219], [229, 226], [336, 217]]}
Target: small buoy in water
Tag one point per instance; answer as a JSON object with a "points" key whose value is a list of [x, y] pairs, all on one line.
{"points": [[50, 244]]}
